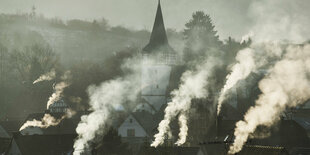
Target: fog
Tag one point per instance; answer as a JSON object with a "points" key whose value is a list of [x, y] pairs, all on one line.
{"points": [[232, 18]]}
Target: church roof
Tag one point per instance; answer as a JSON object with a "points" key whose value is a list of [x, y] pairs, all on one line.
{"points": [[158, 40]]}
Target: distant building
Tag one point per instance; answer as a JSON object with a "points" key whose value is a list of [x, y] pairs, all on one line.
{"points": [[138, 128], [58, 107], [158, 60]]}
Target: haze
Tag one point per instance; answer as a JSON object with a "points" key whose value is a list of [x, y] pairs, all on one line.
{"points": [[231, 18]]}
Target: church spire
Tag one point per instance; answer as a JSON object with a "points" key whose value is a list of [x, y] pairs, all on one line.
{"points": [[158, 36]]}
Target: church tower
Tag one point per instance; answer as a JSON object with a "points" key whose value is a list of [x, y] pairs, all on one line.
{"points": [[158, 60]]}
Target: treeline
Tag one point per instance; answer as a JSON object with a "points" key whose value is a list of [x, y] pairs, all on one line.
{"points": [[31, 45]]}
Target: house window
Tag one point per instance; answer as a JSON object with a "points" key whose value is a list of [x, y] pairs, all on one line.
{"points": [[130, 132], [157, 86]]}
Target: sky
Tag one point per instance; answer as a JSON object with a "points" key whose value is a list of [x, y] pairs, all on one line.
{"points": [[234, 18]]}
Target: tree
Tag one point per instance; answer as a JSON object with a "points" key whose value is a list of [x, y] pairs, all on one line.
{"points": [[33, 61], [200, 37], [231, 48]]}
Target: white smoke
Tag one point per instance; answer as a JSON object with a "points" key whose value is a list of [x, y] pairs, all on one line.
{"points": [[58, 89], [242, 69], [249, 60], [279, 20], [193, 85], [183, 129], [46, 77], [103, 99], [286, 86], [247, 37], [49, 120]]}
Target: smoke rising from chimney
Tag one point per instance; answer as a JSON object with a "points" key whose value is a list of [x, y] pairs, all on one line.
{"points": [[46, 77], [286, 86], [244, 66], [103, 99], [49, 120], [193, 85]]}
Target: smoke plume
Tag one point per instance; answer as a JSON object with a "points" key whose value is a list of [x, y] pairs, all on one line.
{"points": [[286, 86], [244, 66], [59, 88], [103, 100], [46, 77], [49, 120], [193, 85]]}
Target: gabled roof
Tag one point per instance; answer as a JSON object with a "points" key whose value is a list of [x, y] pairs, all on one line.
{"points": [[11, 126], [158, 40], [44, 144], [4, 144], [262, 150], [146, 120], [66, 126]]}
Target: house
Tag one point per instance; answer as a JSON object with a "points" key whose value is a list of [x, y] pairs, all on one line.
{"points": [[60, 144], [138, 125], [58, 107], [158, 59], [66, 126], [138, 128]]}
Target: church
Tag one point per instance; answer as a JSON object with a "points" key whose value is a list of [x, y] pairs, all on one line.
{"points": [[158, 61]]}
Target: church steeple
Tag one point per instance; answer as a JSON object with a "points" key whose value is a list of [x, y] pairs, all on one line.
{"points": [[158, 38]]}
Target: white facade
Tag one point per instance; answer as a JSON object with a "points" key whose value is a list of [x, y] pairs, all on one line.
{"points": [[131, 128], [155, 79]]}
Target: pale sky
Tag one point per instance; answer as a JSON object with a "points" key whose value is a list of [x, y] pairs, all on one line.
{"points": [[231, 17]]}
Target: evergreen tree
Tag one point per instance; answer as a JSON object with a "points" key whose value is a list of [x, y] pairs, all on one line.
{"points": [[201, 37]]}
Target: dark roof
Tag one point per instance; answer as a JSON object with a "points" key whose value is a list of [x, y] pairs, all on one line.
{"points": [[44, 144], [4, 144], [303, 121], [66, 126], [300, 151], [169, 150], [11, 126], [262, 150], [287, 133], [146, 120], [158, 40]]}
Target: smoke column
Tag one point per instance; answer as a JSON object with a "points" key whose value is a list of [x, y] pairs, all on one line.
{"points": [[193, 85], [183, 129], [286, 86], [49, 120], [103, 98], [242, 69], [46, 77], [59, 88]]}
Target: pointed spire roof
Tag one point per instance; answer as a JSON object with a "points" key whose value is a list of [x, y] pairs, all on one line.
{"points": [[158, 37]]}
